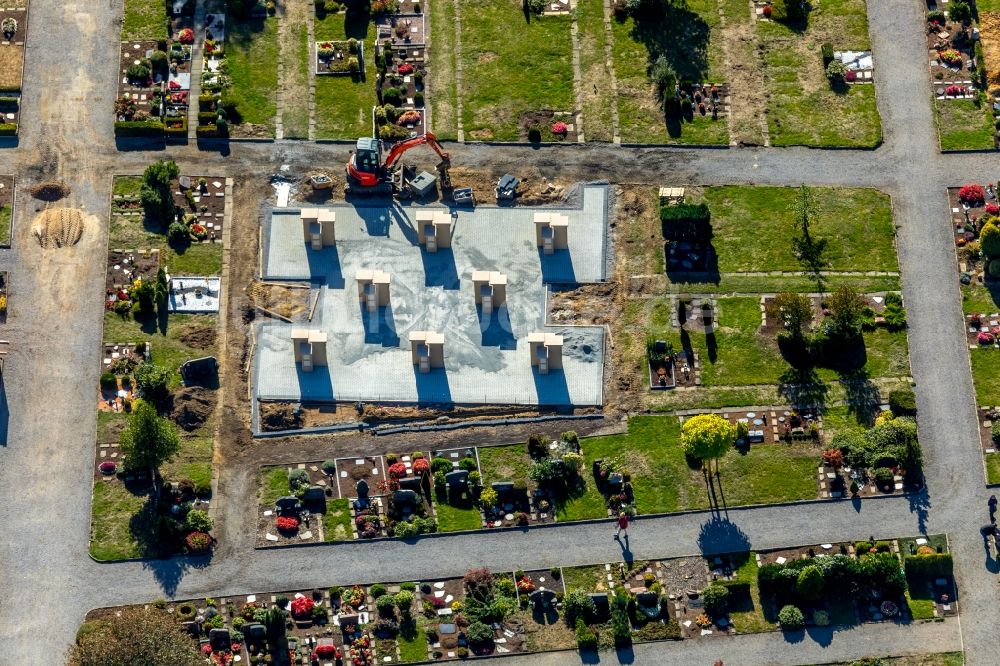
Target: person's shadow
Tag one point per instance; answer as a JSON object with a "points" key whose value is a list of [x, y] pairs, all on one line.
{"points": [[627, 555]]}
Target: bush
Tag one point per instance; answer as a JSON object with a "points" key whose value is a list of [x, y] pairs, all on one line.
{"points": [[903, 402], [933, 565], [109, 382], [621, 630], [686, 222], [386, 606], [994, 268], [133, 128], [895, 317], [298, 478], [821, 618], [198, 521], [405, 530], [442, 465], [478, 634], [827, 52], [586, 639], [791, 618], [538, 446], [377, 591], [198, 542], [408, 586], [836, 73], [10, 129], [960, 11], [391, 95], [550, 473], [810, 583], [577, 606], [536, 6], [883, 476], [716, 599], [151, 381], [995, 432]]}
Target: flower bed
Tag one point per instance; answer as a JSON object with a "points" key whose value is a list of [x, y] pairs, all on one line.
{"points": [[340, 57]]}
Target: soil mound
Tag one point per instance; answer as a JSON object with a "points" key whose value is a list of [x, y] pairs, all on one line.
{"points": [[279, 417], [192, 407], [58, 227], [198, 337], [49, 191]]}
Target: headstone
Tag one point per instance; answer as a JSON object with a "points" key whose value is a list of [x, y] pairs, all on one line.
{"points": [[404, 498], [458, 478], [314, 495], [542, 597], [503, 487], [601, 603], [410, 483], [219, 639], [289, 503], [361, 487], [255, 632]]}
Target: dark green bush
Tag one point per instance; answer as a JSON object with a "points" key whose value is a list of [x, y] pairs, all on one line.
{"points": [[478, 633], [585, 638], [207, 117], [903, 402], [127, 128], [716, 598], [791, 618], [810, 583], [686, 222], [934, 565], [827, 51], [538, 446], [207, 131], [578, 606], [658, 631], [883, 476]]}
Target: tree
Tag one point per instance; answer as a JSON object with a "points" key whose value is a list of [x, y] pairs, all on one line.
{"points": [[960, 11], [794, 311], [707, 437], [162, 289], [151, 381], [665, 78], [148, 440], [846, 311], [135, 636], [156, 195], [807, 249], [989, 240], [836, 74]]}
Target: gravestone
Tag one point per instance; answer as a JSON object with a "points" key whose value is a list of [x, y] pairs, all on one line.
{"points": [[542, 598], [405, 499], [410, 483], [601, 603], [457, 479], [219, 639], [255, 632], [288, 504], [314, 495]]}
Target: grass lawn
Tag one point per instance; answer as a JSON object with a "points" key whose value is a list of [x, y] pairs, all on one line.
{"points": [[116, 513], [637, 45], [5, 212], [512, 66], [738, 356], [993, 468], [985, 373], [295, 119], [504, 463], [921, 608], [664, 482], [455, 518], [803, 110], [442, 85], [592, 578], [412, 641], [344, 104], [748, 618], [980, 298], [252, 59], [934, 659], [273, 484], [132, 232], [169, 351], [144, 19], [336, 520], [597, 100], [962, 125], [753, 228]]}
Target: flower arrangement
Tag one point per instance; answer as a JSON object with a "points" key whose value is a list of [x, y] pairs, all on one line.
{"points": [[108, 467], [199, 231], [925, 550], [986, 338], [767, 11], [975, 319], [421, 466], [560, 128], [355, 596], [703, 621], [525, 584], [360, 651], [397, 470], [286, 523], [972, 194], [326, 652], [950, 57], [198, 542], [410, 117], [302, 606], [186, 36], [851, 76], [955, 91], [405, 68], [889, 609]]}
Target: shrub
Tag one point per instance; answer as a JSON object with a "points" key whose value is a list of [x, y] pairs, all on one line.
{"points": [[960, 11], [836, 73], [577, 606], [538, 446], [403, 600], [994, 268], [377, 591], [479, 634], [621, 630], [391, 95], [895, 317], [178, 234], [883, 476], [405, 530], [297, 478], [386, 606], [810, 583], [972, 193], [586, 639], [137, 72], [198, 521], [821, 618], [995, 432], [408, 586], [536, 6], [934, 565], [833, 458], [716, 599], [441, 465], [109, 382], [791, 618], [903, 402], [198, 542], [826, 50]]}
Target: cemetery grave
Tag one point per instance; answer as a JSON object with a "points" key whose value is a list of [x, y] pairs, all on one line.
{"points": [[13, 30], [204, 197], [117, 383], [669, 369], [251, 57], [212, 79], [3, 297], [401, 88], [125, 267], [6, 208], [344, 104]]}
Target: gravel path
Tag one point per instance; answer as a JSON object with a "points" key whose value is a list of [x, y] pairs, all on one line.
{"points": [[47, 581]]}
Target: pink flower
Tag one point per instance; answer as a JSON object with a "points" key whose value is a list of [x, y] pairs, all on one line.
{"points": [[559, 128]]}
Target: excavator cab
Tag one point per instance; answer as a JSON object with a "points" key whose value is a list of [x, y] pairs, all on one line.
{"points": [[368, 155]]}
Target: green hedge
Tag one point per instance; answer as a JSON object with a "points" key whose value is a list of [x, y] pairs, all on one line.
{"points": [[206, 102], [139, 128], [208, 131], [9, 104], [737, 588], [934, 565], [207, 117], [686, 221], [8, 129]]}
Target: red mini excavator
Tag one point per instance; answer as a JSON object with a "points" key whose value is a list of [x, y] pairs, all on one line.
{"points": [[367, 173]]}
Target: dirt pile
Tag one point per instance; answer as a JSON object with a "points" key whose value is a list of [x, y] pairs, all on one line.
{"points": [[193, 406], [278, 417], [58, 227], [198, 337], [49, 191], [989, 31]]}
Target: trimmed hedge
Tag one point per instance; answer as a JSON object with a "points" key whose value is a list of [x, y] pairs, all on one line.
{"points": [[208, 131], [686, 221], [206, 102], [8, 129], [8, 104], [827, 51], [934, 565], [139, 128], [903, 402]]}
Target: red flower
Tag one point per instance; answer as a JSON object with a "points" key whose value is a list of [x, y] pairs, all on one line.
{"points": [[559, 127], [302, 606], [286, 523], [985, 338], [421, 466], [993, 209], [186, 36], [397, 470], [405, 68], [767, 11], [972, 194], [525, 585], [325, 652]]}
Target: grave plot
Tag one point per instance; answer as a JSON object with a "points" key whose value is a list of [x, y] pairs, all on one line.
{"points": [[458, 488], [989, 428], [669, 369], [340, 57], [402, 91], [118, 365], [343, 104], [300, 504], [125, 267], [524, 485], [204, 198], [139, 97], [212, 80], [13, 29], [251, 57], [3, 297], [6, 207]]}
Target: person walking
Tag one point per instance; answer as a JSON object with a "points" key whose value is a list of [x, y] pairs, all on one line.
{"points": [[622, 525], [992, 503]]}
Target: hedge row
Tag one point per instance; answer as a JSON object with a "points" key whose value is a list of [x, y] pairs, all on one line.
{"points": [[139, 128], [934, 565], [686, 221], [8, 129]]}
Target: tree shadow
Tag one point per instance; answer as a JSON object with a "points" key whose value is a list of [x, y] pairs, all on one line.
{"points": [[802, 387], [862, 396], [920, 504], [712, 347], [720, 535], [170, 572], [677, 33]]}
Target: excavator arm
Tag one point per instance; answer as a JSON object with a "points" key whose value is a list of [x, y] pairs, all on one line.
{"points": [[400, 148]]}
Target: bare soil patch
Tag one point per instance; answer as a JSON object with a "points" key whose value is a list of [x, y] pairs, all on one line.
{"points": [[49, 191], [198, 337], [989, 29], [193, 405], [58, 227], [11, 64]]}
